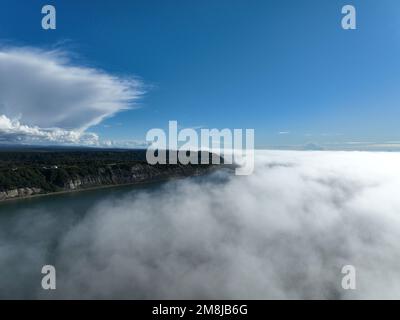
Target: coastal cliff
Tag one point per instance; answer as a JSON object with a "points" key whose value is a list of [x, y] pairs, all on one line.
{"points": [[108, 177], [18, 193], [29, 174]]}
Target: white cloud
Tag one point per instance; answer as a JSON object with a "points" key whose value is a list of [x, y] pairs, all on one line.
{"points": [[12, 131], [125, 144], [49, 94], [283, 232]]}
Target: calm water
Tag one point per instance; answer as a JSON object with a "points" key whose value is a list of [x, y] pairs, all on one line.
{"points": [[80, 201], [69, 230], [31, 229]]}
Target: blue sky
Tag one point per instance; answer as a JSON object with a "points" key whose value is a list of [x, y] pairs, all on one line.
{"points": [[275, 66]]}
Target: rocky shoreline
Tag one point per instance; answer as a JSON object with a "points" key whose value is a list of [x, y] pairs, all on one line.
{"points": [[138, 174]]}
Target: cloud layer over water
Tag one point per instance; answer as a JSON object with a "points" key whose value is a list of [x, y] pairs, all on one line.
{"points": [[283, 232]]}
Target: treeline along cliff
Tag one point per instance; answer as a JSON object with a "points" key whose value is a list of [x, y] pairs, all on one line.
{"points": [[29, 172]]}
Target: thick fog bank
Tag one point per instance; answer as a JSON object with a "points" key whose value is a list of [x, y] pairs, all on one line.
{"points": [[283, 232]]}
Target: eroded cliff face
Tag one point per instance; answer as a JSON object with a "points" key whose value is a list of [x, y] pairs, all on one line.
{"points": [[114, 175], [20, 192], [136, 174]]}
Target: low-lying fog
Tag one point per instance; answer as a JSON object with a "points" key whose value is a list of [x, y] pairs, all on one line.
{"points": [[283, 232]]}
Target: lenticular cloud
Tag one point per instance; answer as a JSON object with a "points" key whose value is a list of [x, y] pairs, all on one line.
{"points": [[284, 232], [45, 91]]}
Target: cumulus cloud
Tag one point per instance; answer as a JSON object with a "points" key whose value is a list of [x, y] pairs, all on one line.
{"points": [[125, 144], [283, 232], [47, 92], [12, 131]]}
